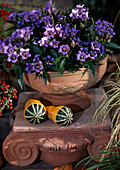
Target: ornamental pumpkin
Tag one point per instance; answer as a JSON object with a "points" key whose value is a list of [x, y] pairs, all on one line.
{"points": [[35, 111], [61, 115]]}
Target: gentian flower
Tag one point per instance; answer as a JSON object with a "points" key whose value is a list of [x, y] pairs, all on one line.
{"points": [[11, 49], [73, 32], [58, 28], [60, 17], [92, 55], [13, 57], [47, 19], [38, 66], [49, 60], [25, 53], [12, 16], [36, 57], [95, 45], [29, 67], [81, 56], [54, 43], [43, 41], [64, 49], [80, 12], [50, 32]]}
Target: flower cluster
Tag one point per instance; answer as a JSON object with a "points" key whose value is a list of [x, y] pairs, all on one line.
{"points": [[7, 93], [55, 40], [104, 29]]}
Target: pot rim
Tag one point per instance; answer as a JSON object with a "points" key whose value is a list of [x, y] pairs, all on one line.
{"points": [[67, 73]]}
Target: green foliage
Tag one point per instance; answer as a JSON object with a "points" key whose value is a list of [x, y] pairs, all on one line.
{"points": [[108, 163]]}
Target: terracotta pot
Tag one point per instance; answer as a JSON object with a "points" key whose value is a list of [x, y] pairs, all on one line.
{"points": [[67, 89], [67, 82]]}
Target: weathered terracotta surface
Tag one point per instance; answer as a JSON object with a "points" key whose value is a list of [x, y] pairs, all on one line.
{"points": [[54, 144], [77, 101], [67, 82]]}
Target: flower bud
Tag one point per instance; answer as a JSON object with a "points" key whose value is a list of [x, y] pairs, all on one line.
{"points": [[73, 44]]}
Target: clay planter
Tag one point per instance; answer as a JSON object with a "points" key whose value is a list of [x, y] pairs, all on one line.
{"points": [[66, 89]]}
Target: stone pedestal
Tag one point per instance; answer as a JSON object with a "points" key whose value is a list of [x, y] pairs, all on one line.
{"points": [[51, 143]]}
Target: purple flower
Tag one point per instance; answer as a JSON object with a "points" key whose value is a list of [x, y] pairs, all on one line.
{"points": [[77, 40], [81, 56], [58, 28], [73, 32], [12, 16], [25, 53], [64, 33], [49, 60], [84, 49], [54, 43], [48, 7], [105, 29], [93, 55], [44, 41], [11, 49], [29, 67], [13, 57], [84, 16], [26, 16], [50, 32], [64, 49], [80, 12], [36, 57], [16, 34], [38, 66], [60, 17], [1, 49], [35, 13], [102, 49], [20, 22], [46, 19], [74, 14], [84, 44], [95, 45], [25, 33]]}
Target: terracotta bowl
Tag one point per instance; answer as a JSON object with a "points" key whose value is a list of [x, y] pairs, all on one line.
{"points": [[67, 82]]}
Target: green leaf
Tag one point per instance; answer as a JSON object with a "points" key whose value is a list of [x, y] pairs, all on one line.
{"points": [[20, 81], [97, 165], [19, 77], [62, 63], [11, 28], [53, 53], [45, 78], [92, 68], [36, 75], [36, 49], [112, 45], [13, 68], [44, 49], [109, 51]]}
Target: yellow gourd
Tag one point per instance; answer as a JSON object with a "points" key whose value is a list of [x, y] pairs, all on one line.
{"points": [[34, 111], [61, 115]]}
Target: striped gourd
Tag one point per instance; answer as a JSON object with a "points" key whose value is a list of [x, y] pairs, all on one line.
{"points": [[34, 111], [61, 115]]}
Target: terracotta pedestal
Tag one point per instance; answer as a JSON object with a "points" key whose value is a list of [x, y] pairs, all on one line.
{"points": [[51, 143]]}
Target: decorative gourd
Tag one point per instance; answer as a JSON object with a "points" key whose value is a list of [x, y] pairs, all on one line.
{"points": [[61, 115], [35, 111]]}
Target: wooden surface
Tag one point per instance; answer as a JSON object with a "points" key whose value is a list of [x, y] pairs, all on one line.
{"points": [[81, 119]]}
